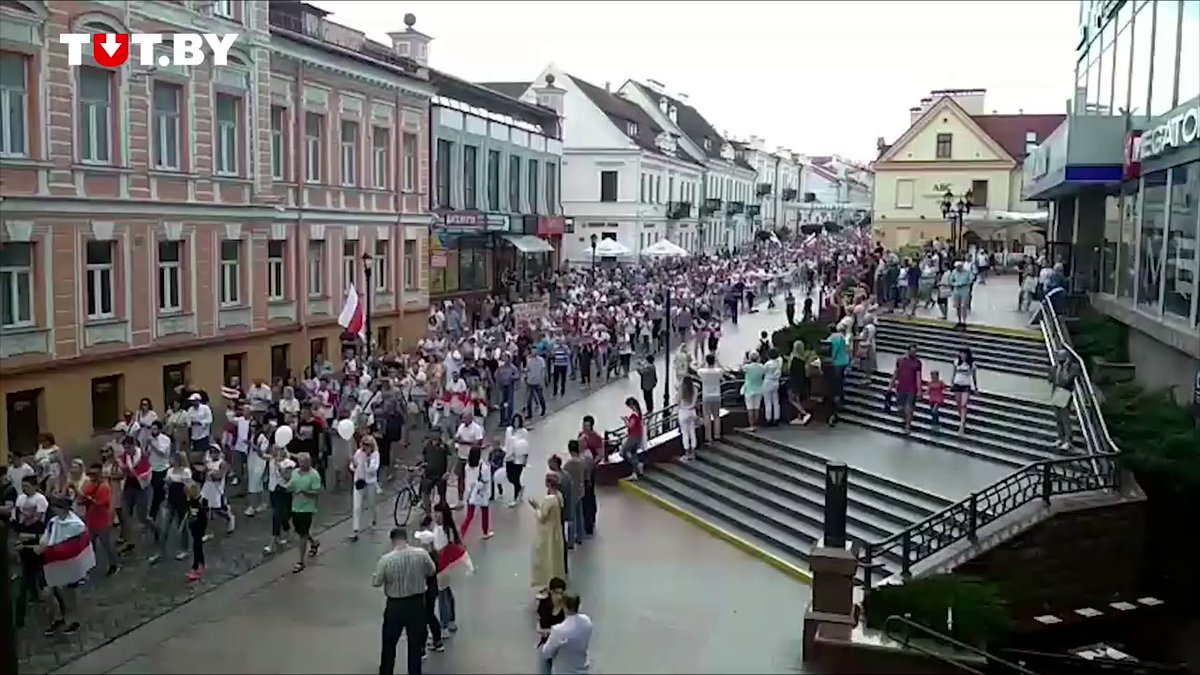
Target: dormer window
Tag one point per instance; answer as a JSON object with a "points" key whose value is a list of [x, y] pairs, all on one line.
{"points": [[707, 143], [631, 128], [1031, 141]]}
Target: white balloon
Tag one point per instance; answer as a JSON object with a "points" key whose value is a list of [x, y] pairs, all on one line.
{"points": [[283, 436], [345, 429]]}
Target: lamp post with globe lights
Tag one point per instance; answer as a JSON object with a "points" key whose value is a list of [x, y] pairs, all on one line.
{"points": [[368, 262], [954, 210]]}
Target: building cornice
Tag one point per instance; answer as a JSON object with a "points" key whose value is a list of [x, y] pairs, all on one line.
{"points": [[956, 165], [352, 66], [25, 207]]}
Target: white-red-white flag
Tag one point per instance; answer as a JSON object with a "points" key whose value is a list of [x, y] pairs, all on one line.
{"points": [[352, 317]]}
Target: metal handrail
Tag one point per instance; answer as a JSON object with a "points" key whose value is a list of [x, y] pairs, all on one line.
{"points": [[1039, 480], [1097, 664], [908, 624]]}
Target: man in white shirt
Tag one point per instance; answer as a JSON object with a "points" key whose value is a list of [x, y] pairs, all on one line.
{"points": [[29, 511], [469, 435], [260, 396], [710, 397], [241, 443], [159, 446], [566, 649], [200, 416]]}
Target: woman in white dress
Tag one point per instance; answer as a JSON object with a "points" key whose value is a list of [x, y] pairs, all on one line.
{"points": [[364, 467], [478, 479], [256, 468], [686, 412], [216, 469]]}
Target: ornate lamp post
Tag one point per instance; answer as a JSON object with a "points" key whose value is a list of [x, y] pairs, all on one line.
{"points": [[368, 263], [595, 240], [954, 210]]}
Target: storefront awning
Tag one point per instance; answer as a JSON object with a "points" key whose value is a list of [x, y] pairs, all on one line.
{"points": [[527, 243]]}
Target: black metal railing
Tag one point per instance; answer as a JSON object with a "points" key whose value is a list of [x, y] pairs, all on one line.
{"points": [[903, 629], [1037, 481], [1066, 664], [658, 423]]}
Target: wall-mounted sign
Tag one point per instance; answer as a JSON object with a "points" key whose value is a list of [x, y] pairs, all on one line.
{"points": [[942, 188], [1131, 166], [471, 222], [550, 226], [1177, 132]]}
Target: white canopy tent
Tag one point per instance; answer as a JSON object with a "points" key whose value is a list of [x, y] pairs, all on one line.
{"points": [[611, 248], [665, 248]]}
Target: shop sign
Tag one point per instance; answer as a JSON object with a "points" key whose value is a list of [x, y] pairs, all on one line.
{"points": [[550, 226], [1132, 168], [1179, 131], [535, 310], [471, 222], [438, 261]]}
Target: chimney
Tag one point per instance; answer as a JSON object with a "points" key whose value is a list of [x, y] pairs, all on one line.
{"points": [[673, 114], [656, 86], [880, 143], [411, 42], [914, 114], [683, 98], [607, 86], [550, 96]]}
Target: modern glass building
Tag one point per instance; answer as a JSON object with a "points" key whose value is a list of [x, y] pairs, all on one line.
{"points": [[1123, 177]]}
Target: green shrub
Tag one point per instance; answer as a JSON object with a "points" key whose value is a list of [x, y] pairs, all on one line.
{"points": [[1157, 436], [811, 333], [1099, 336], [911, 251], [980, 613]]}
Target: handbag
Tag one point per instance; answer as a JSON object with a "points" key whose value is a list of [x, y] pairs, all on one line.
{"points": [[360, 484]]}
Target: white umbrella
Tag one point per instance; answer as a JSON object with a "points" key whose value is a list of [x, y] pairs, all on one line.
{"points": [[611, 248], [665, 248]]}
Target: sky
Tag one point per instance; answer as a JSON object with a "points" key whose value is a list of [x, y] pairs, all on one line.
{"points": [[815, 77]]}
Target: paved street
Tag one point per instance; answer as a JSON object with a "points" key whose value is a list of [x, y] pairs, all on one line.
{"points": [[635, 562]]}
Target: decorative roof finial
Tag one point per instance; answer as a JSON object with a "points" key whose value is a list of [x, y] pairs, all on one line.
{"points": [[410, 20], [549, 79]]}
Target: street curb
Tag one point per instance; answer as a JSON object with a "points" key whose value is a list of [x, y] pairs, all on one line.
{"points": [[714, 530], [1023, 333]]}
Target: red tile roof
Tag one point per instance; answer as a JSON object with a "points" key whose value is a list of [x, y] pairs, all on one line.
{"points": [[1009, 130]]}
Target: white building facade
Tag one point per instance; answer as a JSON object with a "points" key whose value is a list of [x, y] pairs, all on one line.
{"points": [[834, 192], [777, 185]]}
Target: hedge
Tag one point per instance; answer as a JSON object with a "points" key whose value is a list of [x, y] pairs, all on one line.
{"points": [[975, 609]]}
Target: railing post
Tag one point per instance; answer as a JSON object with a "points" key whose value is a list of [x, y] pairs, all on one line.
{"points": [[868, 566], [973, 517], [906, 554], [1047, 485]]}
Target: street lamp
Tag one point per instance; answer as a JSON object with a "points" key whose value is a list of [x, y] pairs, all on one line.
{"points": [[667, 351], [595, 240], [954, 211], [368, 262]]}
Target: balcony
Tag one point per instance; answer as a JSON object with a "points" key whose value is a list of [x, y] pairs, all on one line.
{"points": [[679, 210], [753, 210], [734, 208], [789, 194], [763, 189], [710, 206]]}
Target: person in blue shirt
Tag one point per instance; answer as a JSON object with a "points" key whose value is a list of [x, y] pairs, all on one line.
{"points": [[839, 358], [752, 387], [560, 364], [961, 281]]}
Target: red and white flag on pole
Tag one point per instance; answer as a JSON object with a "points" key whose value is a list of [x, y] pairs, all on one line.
{"points": [[352, 317]]}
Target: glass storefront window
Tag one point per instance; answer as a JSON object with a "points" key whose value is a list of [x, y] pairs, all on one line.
{"points": [[1139, 76], [1180, 264], [1106, 69], [1128, 248], [1112, 234], [445, 279], [1166, 32], [1121, 68], [473, 269], [1189, 51], [1093, 84], [1150, 240]]}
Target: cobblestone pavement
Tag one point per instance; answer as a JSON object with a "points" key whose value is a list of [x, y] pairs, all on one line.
{"points": [[110, 607]]}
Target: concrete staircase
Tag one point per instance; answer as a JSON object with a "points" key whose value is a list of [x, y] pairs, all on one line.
{"points": [[1006, 353]]}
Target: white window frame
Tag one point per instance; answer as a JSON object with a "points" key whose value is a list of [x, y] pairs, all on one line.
{"points": [[22, 316], [313, 169], [230, 282], [95, 273], [379, 156], [223, 8], [316, 268], [381, 273], [276, 271], [11, 98], [410, 149], [166, 122], [225, 137], [278, 143], [912, 193], [97, 116], [170, 276], [349, 265], [349, 152], [410, 264]]}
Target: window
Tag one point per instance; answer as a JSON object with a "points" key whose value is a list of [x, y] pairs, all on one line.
{"points": [[16, 284], [384, 337], [278, 143], [231, 272], [223, 8], [95, 115], [167, 127], [1124, 42], [276, 272], [1150, 248], [514, 183], [631, 128], [904, 193], [945, 143], [1180, 264], [1031, 141], [410, 162], [1189, 51], [410, 263], [349, 264], [99, 290], [979, 193], [658, 189], [106, 402], [349, 154], [608, 186], [533, 186], [1166, 47], [1143, 48], [14, 105], [233, 367], [445, 154], [493, 180], [383, 268], [316, 269], [641, 189], [170, 276], [379, 156], [313, 125], [470, 176], [227, 135], [551, 188], [670, 188]]}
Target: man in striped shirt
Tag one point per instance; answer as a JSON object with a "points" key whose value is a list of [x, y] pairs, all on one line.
{"points": [[403, 573]]}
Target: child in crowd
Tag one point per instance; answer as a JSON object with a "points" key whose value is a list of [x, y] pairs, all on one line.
{"points": [[935, 391]]}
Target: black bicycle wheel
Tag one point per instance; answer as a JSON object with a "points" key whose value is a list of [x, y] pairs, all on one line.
{"points": [[402, 511]]}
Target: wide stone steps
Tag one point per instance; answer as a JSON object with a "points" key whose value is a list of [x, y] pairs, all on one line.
{"points": [[1019, 356]]}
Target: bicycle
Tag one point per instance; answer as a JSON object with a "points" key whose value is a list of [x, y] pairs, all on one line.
{"points": [[408, 496]]}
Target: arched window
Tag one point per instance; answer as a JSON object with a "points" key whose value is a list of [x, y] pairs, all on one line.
{"points": [[97, 22]]}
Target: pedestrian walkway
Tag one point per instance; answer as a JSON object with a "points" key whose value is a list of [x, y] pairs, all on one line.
{"points": [[993, 306], [657, 588]]}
